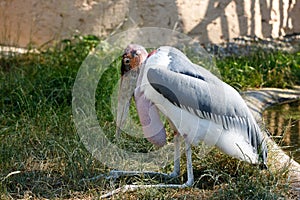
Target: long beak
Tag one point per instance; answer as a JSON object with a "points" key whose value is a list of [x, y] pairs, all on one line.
{"points": [[126, 90]]}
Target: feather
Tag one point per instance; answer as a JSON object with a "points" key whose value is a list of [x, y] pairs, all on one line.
{"points": [[197, 91]]}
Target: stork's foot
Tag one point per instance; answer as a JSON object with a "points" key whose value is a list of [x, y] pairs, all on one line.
{"points": [[189, 183], [131, 188], [115, 174], [174, 174]]}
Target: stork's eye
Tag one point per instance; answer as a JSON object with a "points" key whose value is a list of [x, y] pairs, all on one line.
{"points": [[126, 61], [125, 65]]}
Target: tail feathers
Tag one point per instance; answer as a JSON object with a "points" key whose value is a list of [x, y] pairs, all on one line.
{"points": [[263, 166], [263, 154]]}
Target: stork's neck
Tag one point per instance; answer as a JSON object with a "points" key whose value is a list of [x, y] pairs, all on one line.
{"points": [[151, 53]]}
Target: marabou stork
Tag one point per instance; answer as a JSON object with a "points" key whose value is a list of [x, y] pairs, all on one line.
{"points": [[198, 105]]}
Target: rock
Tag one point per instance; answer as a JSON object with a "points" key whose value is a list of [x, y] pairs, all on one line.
{"points": [[258, 101]]}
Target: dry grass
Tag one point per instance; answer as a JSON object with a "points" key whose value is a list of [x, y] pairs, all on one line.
{"points": [[42, 156]]}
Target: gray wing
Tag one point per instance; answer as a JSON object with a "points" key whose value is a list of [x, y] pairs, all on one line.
{"points": [[214, 101], [196, 90], [186, 84]]}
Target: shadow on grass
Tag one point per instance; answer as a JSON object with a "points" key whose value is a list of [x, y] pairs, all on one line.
{"points": [[38, 137]]}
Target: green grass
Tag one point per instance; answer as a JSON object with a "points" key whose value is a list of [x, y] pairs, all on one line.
{"points": [[261, 69], [38, 139]]}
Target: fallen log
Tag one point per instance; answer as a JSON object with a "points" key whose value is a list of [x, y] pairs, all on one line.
{"points": [[258, 101]]}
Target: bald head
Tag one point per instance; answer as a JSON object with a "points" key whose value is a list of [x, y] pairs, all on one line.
{"points": [[134, 55]]}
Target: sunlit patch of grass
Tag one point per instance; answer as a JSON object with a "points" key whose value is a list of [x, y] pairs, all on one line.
{"points": [[218, 176], [261, 69], [38, 139]]}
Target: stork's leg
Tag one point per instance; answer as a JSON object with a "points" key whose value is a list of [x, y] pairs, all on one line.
{"points": [[176, 170], [114, 174], [188, 152]]}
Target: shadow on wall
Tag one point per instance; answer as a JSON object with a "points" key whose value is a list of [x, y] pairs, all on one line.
{"points": [[34, 22], [38, 22], [262, 19], [155, 13]]}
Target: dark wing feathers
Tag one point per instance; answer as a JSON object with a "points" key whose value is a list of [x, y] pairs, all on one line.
{"points": [[181, 64], [208, 100], [180, 91]]}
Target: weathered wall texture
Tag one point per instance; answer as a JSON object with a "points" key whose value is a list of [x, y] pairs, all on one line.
{"points": [[38, 22]]}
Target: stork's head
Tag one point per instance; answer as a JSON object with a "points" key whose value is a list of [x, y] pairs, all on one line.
{"points": [[133, 57]]}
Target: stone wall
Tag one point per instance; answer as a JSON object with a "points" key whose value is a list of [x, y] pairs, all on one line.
{"points": [[38, 22]]}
